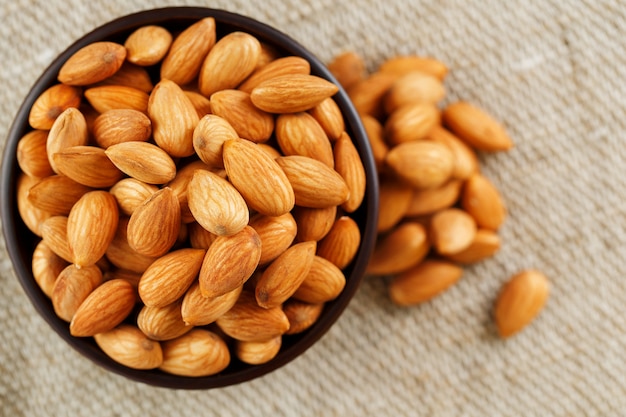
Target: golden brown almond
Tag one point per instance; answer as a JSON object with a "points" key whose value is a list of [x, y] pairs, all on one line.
{"points": [[122, 255], [216, 204], [162, 323], [348, 68], [87, 165], [405, 64], [276, 68], [51, 103], [199, 102], [342, 242], [416, 86], [69, 129], [46, 266], [301, 315], [349, 165], [32, 157], [187, 52], [229, 262], [154, 226], [106, 307], [411, 122], [168, 278], [376, 138], [199, 237], [329, 116], [259, 179], [208, 139], [285, 274], [129, 75], [270, 150], [230, 61], [148, 45], [92, 63], [431, 200], [237, 108], [72, 287], [476, 127], [276, 234], [314, 223], [300, 134], [198, 310], [268, 54], [367, 95], [180, 183], [249, 322], [56, 194], [465, 159], [121, 125], [482, 200], [32, 216], [394, 200], [520, 301], [126, 344], [485, 244], [401, 249], [323, 283], [452, 230], [292, 93], [197, 353], [117, 273], [91, 226], [423, 282], [256, 353], [143, 161], [173, 134], [54, 233], [422, 164], [131, 193], [109, 97], [314, 183]]}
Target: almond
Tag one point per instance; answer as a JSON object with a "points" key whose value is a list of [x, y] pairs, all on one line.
{"points": [[300, 134], [342, 242], [32, 157], [292, 93], [129, 75], [199, 237], [56, 194], [285, 274], [72, 287], [367, 95], [348, 68], [256, 353], [131, 193], [482, 200], [452, 230], [87, 165], [32, 216], [92, 63], [54, 234], [476, 127], [143, 161], [404, 64], [394, 200], [126, 344], [414, 87], [208, 139], [131, 277], [270, 150], [329, 116], [314, 223], [103, 309], [276, 234], [162, 323], [411, 122], [401, 249], [121, 125], [148, 45], [465, 159], [423, 282], [109, 97], [521, 299], [187, 52], [196, 353], [376, 138], [122, 255], [237, 108], [282, 66], [301, 315], [198, 310], [69, 129], [46, 266], [422, 164], [485, 244], [180, 184], [51, 103], [323, 283], [431, 200], [314, 183], [199, 102], [231, 60], [229, 262], [268, 54], [348, 164]]}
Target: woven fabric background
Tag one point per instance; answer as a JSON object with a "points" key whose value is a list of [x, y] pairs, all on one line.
{"points": [[555, 73]]}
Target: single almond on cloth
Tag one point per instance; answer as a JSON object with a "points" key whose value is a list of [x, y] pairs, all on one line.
{"points": [[148, 45], [422, 164], [229, 62], [87, 165], [485, 244], [208, 139], [476, 127], [197, 353], [109, 97], [465, 159], [237, 108], [415, 86], [130, 193], [229, 262], [402, 248], [121, 125], [301, 315], [314, 183], [188, 51], [129, 75], [92, 63], [452, 230], [91, 226], [57, 194], [169, 277], [32, 216], [329, 116], [51, 103], [69, 129], [300, 134], [348, 68], [46, 266], [143, 161], [261, 181], [341, 243], [431, 200], [128, 345], [411, 122], [54, 233], [276, 233], [256, 353], [292, 93], [32, 157], [349, 165], [423, 282], [277, 68], [162, 323], [324, 282], [482, 200], [122, 255], [367, 95], [72, 287], [198, 310], [313, 223], [394, 200], [106, 307], [521, 299], [404, 64], [376, 137], [216, 204]]}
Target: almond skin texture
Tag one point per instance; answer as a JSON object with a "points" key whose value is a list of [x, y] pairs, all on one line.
{"points": [[229, 262], [121, 255], [162, 323], [196, 353], [131, 193], [259, 178], [106, 307], [276, 233], [126, 344], [422, 164], [121, 125], [400, 249], [423, 282], [54, 234], [170, 276], [301, 315], [424, 202], [452, 230], [72, 287], [300, 134], [476, 127], [46, 266], [348, 164], [57, 194], [314, 223], [198, 310], [129, 75], [208, 139], [92, 63], [277, 68], [201, 103], [292, 93], [109, 97], [69, 129], [31, 154], [237, 108], [521, 299], [341, 244], [51, 103], [482, 200], [87, 165], [323, 283], [143, 161], [148, 45], [485, 244], [329, 116], [256, 353], [180, 186], [411, 122]]}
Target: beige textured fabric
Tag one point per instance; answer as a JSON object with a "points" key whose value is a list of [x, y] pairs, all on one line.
{"points": [[555, 73]]}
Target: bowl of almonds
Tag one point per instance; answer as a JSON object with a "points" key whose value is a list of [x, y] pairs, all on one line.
{"points": [[189, 198]]}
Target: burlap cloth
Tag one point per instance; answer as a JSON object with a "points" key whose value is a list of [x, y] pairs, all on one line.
{"points": [[555, 73]]}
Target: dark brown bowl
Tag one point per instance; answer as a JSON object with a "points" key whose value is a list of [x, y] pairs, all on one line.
{"points": [[21, 242]]}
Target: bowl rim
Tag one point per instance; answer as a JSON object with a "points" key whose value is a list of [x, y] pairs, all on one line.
{"points": [[13, 226]]}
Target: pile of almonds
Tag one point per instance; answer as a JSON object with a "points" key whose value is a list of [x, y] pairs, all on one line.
{"points": [[195, 219], [438, 212]]}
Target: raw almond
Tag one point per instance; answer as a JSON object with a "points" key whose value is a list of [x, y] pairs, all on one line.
{"points": [[276, 234], [56, 194], [404, 64], [521, 299], [143, 161], [411, 122], [264, 186], [416, 86], [314, 223], [476, 127], [106, 307], [482, 200], [122, 255], [126, 344], [367, 95], [268, 54], [292, 93], [422, 164], [348, 164], [431, 200], [69, 129], [465, 159], [342, 242], [323, 283], [162, 323], [197, 353], [129, 75], [452, 230], [199, 237], [180, 183], [121, 125], [282, 66], [423, 282], [208, 139], [376, 138], [201, 103], [92, 63], [401, 249], [329, 116], [300, 134], [32, 216], [32, 157], [256, 353], [485, 244], [148, 45], [51, 103], [348, 68], [131, 193], [394, 200], [72, 287], [54, 233], [87, 165], [198, 310], [109, 97], [46, 266], [301, 315], [131, 277], [237, 108]]}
